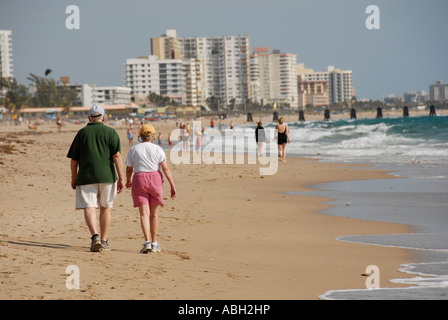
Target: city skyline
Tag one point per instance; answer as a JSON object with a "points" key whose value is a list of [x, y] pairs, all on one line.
{"points": [[406, 53]]}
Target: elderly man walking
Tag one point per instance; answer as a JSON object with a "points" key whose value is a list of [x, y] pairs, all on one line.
{"points": [[96, 160]]}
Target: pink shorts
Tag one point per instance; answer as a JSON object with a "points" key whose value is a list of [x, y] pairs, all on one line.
{"points": [[147, 188]]}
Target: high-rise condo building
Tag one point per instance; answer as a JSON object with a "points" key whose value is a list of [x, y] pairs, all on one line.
{"points": [[225, 62], [438, 91], [6, 65], [341, 88], [274, 77]]}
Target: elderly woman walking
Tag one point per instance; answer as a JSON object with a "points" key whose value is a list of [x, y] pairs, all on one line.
{"points": [[146, 160]]}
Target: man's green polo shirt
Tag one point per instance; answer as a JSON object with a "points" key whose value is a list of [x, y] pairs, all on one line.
{"points": [[94, 147]]}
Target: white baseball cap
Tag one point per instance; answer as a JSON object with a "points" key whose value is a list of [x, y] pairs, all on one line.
{"points": [[96, 111]]}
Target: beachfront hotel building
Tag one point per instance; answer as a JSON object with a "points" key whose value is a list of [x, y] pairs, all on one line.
{"points": [[313, 87], [225, 63], [110, 95], [322, 88], [145, 75], [6, 65], [274, 77], [438, 91], [107, 95]]}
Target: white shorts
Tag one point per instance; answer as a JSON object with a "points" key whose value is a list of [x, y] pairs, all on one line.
{"points": [[96, 195]]}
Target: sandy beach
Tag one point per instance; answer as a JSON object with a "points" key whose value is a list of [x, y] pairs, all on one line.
{"points": [[231, 233]]}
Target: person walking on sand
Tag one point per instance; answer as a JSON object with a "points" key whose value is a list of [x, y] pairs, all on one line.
{"points": [[203, 133], [198, 141], [170, 142], [186, 138], [130, 134], [260, 138], [95, 154], [145, 160], [282, 136]]}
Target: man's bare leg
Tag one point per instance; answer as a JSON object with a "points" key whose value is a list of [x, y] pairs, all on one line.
{"points": [[105, 217]]}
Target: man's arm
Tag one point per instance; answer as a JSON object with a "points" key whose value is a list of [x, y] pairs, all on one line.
{"points": [[74, 172], [119, 166]]}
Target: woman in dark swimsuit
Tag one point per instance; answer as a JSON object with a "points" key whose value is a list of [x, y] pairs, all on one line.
{"points": [[282, 138]]}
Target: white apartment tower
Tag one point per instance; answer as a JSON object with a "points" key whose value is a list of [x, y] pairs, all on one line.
{"points": [[438, 91], [163, 77], [274, 77], [225, 62], [340, 85], [107, 95], [6, 65]]}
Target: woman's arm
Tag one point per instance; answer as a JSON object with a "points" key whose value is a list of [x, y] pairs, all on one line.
{"points": [[167, 172]]}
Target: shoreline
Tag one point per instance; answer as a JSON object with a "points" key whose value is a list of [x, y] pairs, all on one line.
{"points": [[230, 234]]}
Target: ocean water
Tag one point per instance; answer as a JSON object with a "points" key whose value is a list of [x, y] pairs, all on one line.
{"points": [[401, 141], [388, 140], [415, 149]]}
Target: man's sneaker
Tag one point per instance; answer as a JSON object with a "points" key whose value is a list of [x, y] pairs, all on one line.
{"points": [[105, 245], [155, 247], [146, 247], [95, 246]]}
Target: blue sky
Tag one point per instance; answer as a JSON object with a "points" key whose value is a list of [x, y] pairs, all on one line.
{"points": [[407, 53]]}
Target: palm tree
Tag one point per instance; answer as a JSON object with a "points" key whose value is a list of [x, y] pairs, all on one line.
{"points": [[15, 95]]}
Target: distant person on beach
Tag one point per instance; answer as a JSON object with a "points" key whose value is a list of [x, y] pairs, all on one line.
{"points": [[159, 139], [145, 160], [260, 138], [198, 141], [95, 154], [130, 134], [141, 124], [31, 125], [204, 135], [282, 136], [59, 123], [186, 138], [170, 142]]}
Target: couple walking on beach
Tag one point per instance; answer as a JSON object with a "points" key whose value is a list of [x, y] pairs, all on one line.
{"points": [[96, 161]]}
